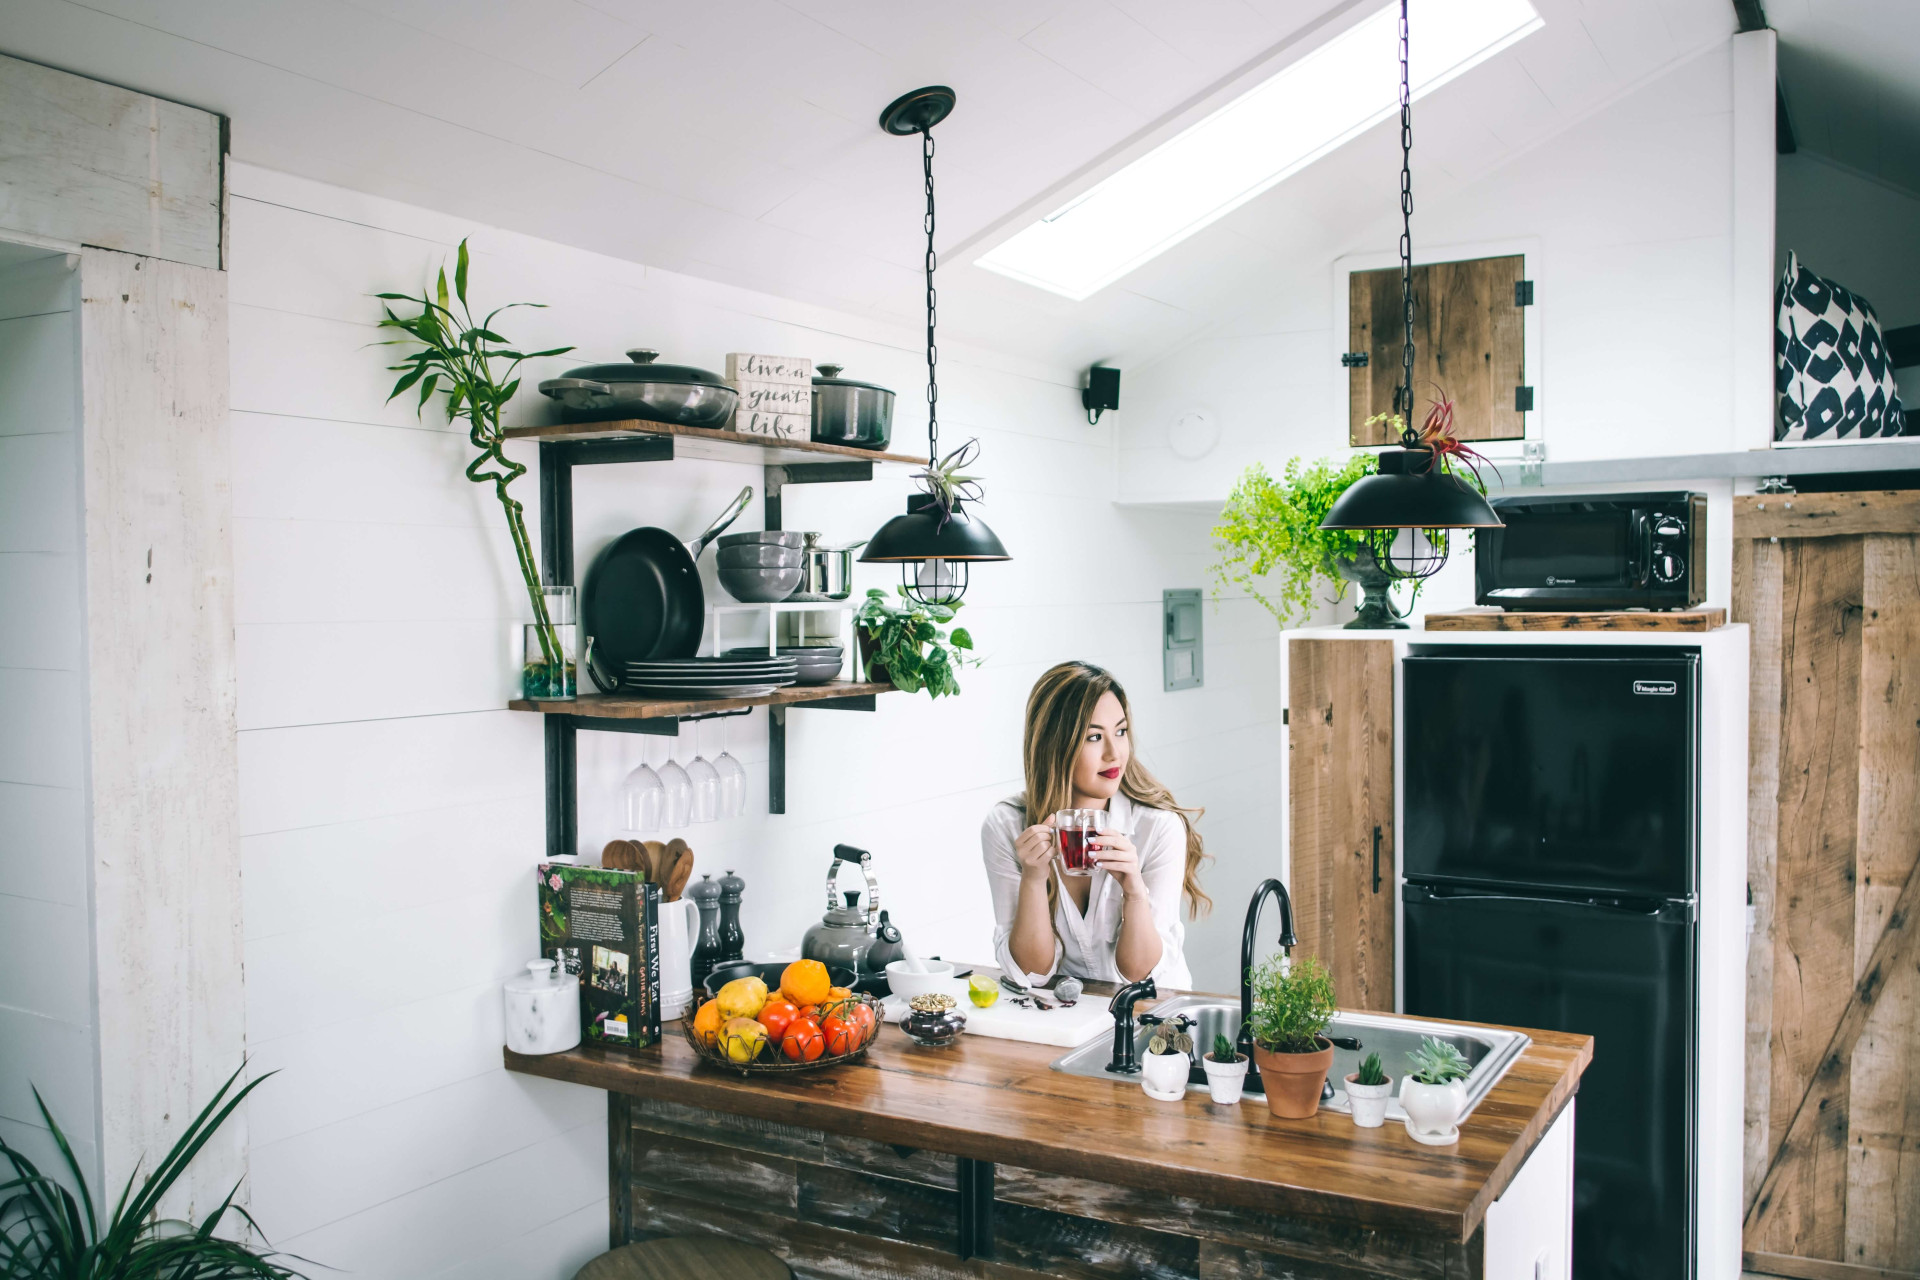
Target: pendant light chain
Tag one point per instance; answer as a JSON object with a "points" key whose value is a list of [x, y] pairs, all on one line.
{"points": [[1403, 395], [933, 351]]}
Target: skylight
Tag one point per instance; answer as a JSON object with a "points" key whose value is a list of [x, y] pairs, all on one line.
{"points": [[1312, 106]]}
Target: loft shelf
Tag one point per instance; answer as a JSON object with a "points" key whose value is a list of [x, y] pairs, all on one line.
{"points": [[614, 706], [709, 443]]}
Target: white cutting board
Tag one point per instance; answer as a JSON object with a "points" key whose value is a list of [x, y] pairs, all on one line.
{"points": [[1066, 1028]]}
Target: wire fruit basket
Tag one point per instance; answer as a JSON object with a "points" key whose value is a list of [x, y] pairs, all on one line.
{"points": [[856, 1010]]}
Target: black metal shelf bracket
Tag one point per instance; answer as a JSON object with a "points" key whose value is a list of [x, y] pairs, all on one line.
{"points": [[558, 458]]}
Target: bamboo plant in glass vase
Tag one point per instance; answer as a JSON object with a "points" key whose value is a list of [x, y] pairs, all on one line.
{"points": [[475, 368]]}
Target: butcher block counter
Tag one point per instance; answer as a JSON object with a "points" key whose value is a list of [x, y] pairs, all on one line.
{"points": [[978, 1160]]}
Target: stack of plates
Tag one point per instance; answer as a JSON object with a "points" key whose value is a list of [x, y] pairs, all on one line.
{"points": [[817, 664], [710, 677]]}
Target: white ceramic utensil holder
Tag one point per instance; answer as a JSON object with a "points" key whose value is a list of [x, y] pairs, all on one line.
{"points": [[542, 1009]]}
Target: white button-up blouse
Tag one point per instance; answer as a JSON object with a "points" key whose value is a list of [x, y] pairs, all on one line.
{"points": [[1084, 944]]}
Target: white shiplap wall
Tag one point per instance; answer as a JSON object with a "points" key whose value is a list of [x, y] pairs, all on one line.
{"points": [[391, 810], [47, 1030]]}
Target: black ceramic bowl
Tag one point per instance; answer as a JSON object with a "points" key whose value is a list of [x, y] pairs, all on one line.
{"points": [[769, 974]]}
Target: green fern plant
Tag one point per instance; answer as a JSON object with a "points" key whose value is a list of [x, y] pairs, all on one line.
{"points": [[1273, 526], [48, 1234]]}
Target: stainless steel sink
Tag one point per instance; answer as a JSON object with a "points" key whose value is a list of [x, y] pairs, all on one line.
{"points": [[1393, 1038]]}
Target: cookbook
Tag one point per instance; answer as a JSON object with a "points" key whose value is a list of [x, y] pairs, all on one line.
{"points": [[604, 927]]}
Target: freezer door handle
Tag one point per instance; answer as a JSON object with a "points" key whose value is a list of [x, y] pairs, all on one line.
{"points": [[1645, 908]]}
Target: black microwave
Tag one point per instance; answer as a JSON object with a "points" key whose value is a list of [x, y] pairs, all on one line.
{"points": [[1603, 551]]}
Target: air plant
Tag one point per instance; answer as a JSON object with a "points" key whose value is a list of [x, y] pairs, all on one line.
{"points": [[944, 483], [1436, 435]]}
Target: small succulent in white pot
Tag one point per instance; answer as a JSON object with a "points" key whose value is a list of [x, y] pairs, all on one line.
{"points": [[1435, 1093], [1368, 1090], [1168, 1059], [1226, 1070]]}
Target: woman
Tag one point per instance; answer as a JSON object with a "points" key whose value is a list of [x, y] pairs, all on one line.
{"points": [[1122, 923]]}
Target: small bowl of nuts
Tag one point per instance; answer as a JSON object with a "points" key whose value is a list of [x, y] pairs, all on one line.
{"points": [[933, 1021]]}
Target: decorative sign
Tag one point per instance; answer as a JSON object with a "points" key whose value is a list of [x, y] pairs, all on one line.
{"points": [[743, 366], [776, 395]]}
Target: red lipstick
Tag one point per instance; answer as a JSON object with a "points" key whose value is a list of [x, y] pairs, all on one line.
{"points": [[1110, 773]]}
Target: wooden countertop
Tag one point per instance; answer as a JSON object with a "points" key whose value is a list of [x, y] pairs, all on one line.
{"points": [[997, 1100]]}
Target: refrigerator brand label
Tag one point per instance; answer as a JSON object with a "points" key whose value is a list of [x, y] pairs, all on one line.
{"points": [[1663, 688]]}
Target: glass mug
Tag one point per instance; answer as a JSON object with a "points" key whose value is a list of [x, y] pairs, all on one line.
{"points": [[1074, 830]]}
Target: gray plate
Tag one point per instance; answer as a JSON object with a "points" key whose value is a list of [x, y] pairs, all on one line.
{"points": [[707, 691]]}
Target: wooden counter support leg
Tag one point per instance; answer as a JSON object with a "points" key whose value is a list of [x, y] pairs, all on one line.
{"points": [[976, 1207]]}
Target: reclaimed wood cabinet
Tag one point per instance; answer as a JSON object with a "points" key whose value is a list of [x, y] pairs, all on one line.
{"points": [[1830, 584], [1469, 337], [1340, 818]]}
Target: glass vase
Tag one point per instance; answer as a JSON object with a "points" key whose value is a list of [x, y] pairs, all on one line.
{"points": [[550, 651]]}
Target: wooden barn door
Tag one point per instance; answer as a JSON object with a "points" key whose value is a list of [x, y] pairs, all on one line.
{"points": [[1340, 813], [1831, 586]]}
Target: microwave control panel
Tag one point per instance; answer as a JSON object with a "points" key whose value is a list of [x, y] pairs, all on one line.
{"points": [[1670, 546]]}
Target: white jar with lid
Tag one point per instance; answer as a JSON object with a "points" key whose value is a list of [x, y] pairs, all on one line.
{"points": [[543, 1009]]}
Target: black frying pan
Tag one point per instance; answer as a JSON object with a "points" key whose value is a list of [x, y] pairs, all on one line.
{"points": [[643, 599]]}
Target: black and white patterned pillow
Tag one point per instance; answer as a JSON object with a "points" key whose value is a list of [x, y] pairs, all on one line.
{"points": [[1831, 371]]}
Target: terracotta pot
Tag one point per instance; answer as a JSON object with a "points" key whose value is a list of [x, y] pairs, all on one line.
{"points": [[1293, 1080]]}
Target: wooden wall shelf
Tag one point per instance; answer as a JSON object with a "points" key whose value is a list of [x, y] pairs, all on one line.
{"points": [[615, 706], [1494, 620], [710, 443]]}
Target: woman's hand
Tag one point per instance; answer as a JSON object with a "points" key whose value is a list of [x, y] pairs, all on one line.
{"points": [[1115, 854], [1034, 849]]}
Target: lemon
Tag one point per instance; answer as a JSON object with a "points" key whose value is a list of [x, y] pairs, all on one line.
{"points": [[742, 1039], [982, 990], [742, 998]]}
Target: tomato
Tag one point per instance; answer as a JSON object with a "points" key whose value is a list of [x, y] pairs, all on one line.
{"points": [[843, 1033], [863, 1017], [804, 1040], [776, 1014]]}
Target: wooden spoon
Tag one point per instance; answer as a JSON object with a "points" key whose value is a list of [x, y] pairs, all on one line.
{"points": [[657, 861], [679, 870], [621, 855]]}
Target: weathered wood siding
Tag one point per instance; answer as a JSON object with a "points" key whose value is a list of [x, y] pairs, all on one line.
{"points": [[1831, 584], [82, 162]]}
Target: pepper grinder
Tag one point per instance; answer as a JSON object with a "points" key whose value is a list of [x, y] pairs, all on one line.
{"points": [[733, 943], [706, 952]]}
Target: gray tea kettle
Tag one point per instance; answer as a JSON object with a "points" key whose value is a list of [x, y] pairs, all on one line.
{"points": [[865, 941]]}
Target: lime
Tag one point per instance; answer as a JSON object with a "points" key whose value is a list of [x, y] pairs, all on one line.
{"points": [[982, 990]]}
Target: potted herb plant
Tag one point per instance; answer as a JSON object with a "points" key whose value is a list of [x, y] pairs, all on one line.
{"points": [[1435, 1092], [1226, 1070], [46, 1234], [1368, 1090], [1292, 1006], [906, 643], [1168, 1061], [475, 368], [1273, 526]]}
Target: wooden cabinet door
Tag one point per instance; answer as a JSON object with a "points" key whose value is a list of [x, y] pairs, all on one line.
{"points": [[1830, 583], [1468, 339], [1340, 813]]}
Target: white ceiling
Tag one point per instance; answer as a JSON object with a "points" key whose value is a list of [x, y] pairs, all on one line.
{"points": [[736, 139], [1851, 73]]}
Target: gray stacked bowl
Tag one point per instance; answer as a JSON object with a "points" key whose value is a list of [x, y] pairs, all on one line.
{"points": [[760, 568]]}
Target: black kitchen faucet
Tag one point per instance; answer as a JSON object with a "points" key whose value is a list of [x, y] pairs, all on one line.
{"points": [[1287, 943]]}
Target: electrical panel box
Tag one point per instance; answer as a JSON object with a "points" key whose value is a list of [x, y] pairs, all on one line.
{"points": [[1181, 639]]}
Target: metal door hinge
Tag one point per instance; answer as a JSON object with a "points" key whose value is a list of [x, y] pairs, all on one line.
{"points": [[1353, 359], [1523, 399], [1523, 293], [1533, 459]]}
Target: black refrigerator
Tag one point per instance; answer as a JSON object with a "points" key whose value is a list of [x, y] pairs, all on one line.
{"points": [[1550, 850]]}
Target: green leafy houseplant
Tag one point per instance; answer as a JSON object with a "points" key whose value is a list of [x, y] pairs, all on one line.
{"points": [[906, 643], [1271, 525], [475, 368], [1291, 1009], [1172, 1037], [1371, 1072], [46, 1234], [1437, 1062]]}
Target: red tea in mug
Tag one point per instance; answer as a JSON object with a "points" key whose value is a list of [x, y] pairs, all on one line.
{"points": [[1076, 852]]}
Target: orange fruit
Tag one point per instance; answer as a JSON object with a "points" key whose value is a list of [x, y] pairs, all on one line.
{"points": [[805, 982], [804, 1041], [776, 1014], [706, 1023], [839, 993]]}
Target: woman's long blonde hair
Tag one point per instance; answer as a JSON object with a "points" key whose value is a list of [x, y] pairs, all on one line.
{"points": [[1058, 712]]}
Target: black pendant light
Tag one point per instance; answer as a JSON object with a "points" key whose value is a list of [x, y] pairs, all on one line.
{"points": [[935, 541], [1406, 510]]}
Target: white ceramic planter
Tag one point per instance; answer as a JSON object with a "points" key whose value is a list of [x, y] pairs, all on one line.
{"points": [[1433, 1110], [1225, 1080], [1368, 1102], [1164, 1075]]}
